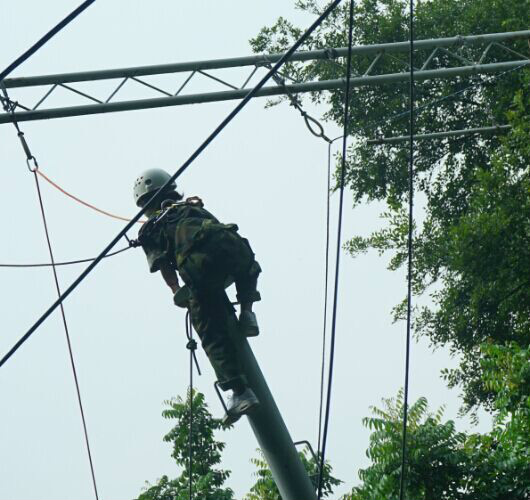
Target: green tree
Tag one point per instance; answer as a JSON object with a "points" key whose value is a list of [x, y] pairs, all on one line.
{"points": [[472, 248], [501, 459], [207, 480], [471, 251], [436, 459], [265, 488]]}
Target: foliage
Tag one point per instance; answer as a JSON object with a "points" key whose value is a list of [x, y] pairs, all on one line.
{"points": [[207, 480], [265, 488], [444, 464], [471, 251], [502, 458], [436, 460]]}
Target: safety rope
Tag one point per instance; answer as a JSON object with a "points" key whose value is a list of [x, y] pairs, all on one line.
{"points": [[33, 166], [86, 204], [192, 346], [337, 258], [409, 252]]}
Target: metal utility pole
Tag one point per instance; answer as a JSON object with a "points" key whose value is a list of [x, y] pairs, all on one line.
{"points": [[446, 53], [270, 430], [495, 129]]}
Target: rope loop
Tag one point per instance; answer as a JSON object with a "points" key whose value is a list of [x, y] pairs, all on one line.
{"points": [[29, 160], [317, 133], [191, 345]]}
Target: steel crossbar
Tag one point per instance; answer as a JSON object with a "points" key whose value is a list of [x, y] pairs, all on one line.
{"points": [[439, 51]]}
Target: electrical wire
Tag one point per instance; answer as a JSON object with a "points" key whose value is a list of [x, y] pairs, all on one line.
{"points": [[337, 259], [67, 263], [192, 346], [36, 46], [410, 256]]}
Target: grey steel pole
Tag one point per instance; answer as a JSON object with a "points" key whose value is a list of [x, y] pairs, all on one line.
{"points": [[270, 430], [228, 95], [260, 60], [440, 135]]}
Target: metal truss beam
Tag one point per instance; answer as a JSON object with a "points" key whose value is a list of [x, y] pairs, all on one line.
{"points": [[437, 51], [441, 135]]}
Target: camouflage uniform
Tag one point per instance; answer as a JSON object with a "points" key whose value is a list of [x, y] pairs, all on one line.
{"points": [[208, 256]]}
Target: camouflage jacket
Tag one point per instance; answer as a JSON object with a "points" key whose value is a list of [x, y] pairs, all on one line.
{"points": [[170, 234]]}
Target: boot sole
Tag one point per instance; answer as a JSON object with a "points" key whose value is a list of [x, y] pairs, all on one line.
{"points": [[231, 418], [251, 332]]}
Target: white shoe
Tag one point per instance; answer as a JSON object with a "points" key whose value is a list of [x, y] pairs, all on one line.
{"points": [[239, 405]]}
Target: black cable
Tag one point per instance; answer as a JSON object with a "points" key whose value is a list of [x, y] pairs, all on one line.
{"points": [[67, 263], [36, 46], [192, 345], [66, 331], [409, 270], [175, 176], [326, 280], [337, 261]]}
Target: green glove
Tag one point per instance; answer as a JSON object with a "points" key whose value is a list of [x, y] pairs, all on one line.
{"points": [[182, 297]]}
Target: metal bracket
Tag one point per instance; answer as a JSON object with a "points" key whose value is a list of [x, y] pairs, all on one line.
{"points": [[313, 477], [219, 395]]}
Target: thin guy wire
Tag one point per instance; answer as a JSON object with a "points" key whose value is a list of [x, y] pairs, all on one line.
{"points": [[326, 281], [337, 261], [176, 175], [67, 263], [66, 331], [10, 108], [26, 55], [409, 271], [189, 334]]}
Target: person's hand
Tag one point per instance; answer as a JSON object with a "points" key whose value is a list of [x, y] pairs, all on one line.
{"points": [[182, 296]]}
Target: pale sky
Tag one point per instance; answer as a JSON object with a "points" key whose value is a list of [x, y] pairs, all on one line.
{"points": [[265, 172]]}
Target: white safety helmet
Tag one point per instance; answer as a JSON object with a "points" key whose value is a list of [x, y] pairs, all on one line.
{"points": [[149, 182]]}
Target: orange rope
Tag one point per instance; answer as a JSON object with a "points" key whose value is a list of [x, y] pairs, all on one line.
{"points": [[108, 214]]}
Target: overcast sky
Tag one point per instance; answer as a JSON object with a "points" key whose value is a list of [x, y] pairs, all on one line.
{"points": [[265, 172]]}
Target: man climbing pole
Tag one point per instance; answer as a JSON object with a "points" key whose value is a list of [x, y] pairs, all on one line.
{"points": [[182, 236]]}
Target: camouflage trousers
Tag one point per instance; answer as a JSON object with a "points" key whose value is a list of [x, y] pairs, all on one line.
{"points": [[221, 257]]}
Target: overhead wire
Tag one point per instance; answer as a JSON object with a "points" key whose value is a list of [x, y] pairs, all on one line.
{"points": [[37, 45], [409, 256], [192, 346], [338, 250], [176, 175], [66, 263]]}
